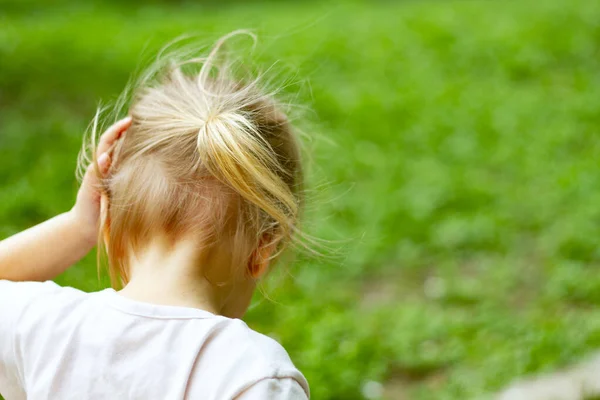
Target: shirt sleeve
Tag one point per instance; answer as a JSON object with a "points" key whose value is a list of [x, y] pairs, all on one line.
{"points": [[14, 298], [275, 389]]}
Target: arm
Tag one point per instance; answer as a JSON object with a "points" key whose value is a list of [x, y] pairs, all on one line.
{"points": [[45, 250]]}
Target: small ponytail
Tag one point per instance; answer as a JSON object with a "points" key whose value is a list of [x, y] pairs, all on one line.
{"points": [[231, 148], [233, 144]]}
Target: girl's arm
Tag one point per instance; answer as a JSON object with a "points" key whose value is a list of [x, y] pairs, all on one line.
{"points": [[45, 250]]}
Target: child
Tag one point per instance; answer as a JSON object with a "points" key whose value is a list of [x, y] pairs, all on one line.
{"points": [[191, 196]]}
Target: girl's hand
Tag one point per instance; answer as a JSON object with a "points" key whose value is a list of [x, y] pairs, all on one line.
{"points": [[86, 210]]}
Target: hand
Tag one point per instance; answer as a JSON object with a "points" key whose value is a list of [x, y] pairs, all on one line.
{"points": [[86, 210]]}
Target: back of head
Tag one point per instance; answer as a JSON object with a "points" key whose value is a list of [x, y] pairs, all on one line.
{"points": [[208, 158]]}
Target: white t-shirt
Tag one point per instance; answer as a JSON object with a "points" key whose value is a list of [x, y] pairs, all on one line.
{"points": [[61, 343]]}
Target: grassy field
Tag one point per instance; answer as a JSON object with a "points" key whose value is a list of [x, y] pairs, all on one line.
{"points": [[454, 157]]}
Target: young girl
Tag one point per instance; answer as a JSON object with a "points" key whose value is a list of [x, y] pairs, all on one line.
{"points": [[191, 196]]}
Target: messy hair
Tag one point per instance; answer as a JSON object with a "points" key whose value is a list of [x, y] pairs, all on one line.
{"points": [[210, 156]]}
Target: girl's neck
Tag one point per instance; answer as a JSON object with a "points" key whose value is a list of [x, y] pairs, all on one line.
{"points": [[169, 275]]}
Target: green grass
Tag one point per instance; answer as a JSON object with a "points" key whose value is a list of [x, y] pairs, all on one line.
{"points": [[455, 154]]}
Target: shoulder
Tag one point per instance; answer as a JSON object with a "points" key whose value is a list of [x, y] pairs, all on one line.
{"points": [[258, 347], [32, 289], [17, 295], [254, 357], [18, 310], [27, 288], [21, 294], [27, 303]]}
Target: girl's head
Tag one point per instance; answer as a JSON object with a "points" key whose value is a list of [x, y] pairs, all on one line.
{"points": [[209, 159]]}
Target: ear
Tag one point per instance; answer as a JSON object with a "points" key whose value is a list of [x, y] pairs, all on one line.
{"points": [[261, 257]]}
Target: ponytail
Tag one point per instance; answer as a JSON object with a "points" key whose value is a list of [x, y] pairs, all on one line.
{"points": [[232, 150]]}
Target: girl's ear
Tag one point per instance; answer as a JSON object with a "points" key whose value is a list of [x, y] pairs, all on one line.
{"points": [[261, 257]]}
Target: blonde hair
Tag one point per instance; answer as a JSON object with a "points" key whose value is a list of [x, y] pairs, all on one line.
{"points": [[208, 156]]}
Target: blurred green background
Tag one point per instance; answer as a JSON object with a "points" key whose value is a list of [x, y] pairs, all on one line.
{"points": [[455, 170]]}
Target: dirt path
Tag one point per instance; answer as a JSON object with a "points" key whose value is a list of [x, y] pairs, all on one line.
{"points": [[581, 382]]}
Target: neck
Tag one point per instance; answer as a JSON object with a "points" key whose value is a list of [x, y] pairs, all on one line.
{"points": [[169, 275], [174, 275]]}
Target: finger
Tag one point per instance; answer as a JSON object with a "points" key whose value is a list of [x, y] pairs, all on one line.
{"points": [[103, 163], [90, 174], [94, 170], [112, 134]]}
